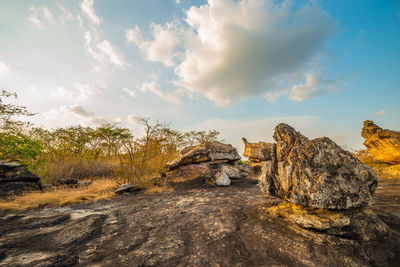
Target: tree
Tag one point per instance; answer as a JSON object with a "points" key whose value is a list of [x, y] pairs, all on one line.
{"points": [[8, 111]]}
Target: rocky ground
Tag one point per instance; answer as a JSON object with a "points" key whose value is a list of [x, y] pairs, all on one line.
{"points": [[196, 225]]}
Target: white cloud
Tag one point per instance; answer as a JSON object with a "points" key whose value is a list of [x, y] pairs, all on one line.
{"points": [[133, 119], [133, 35], [75, 114], [48, 16], [34, 17], [155, 88], [88, 10], [110, 51], [161, 49], [130, 92], [4, 68], [79, 92], [314, 86], [381, 112], [242, 49]]}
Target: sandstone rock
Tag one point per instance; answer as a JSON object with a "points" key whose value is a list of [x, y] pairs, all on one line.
{"points": [[317, 173], [258, 152], [67, 182], [209, 152], [362, 224], [383, 145], [126, 188]]}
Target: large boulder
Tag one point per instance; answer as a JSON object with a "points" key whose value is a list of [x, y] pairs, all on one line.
{"points": [[208, 152], [383, 145], [16, 179], [15, 172], [316, 173]]}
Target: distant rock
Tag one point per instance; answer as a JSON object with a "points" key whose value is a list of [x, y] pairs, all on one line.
{"points": [[66, 182], [212, 161], [126, 188], [258, 152], [383, 145], [208, 152], [15, 179]]}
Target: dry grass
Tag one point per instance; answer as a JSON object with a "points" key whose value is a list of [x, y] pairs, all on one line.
{"points": [[159, 189], [99, 189]]}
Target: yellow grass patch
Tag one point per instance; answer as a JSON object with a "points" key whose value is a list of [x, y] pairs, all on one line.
{"points": [[159, 189], [99, 189]]}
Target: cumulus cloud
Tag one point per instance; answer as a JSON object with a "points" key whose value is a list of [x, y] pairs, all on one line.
{"points": [[161, 49], [79, 92], [4, 67], [48, 15], [241, 49], [133, 119], [111, 52], [155, 88], [88, 10], [314, 86], [73, 113]]}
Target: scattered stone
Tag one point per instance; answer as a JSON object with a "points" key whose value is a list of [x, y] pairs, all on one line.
{"points": [[221, 178], [67, 182], [16, 179], [383, 145], [316, 173], [126, 188]]}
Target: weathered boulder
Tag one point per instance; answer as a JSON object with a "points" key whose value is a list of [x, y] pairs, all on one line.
{"points": [[208, 152], [383, 145], [15, 179], [316, 173], [362, 224], [258, 152], [15, 172]]}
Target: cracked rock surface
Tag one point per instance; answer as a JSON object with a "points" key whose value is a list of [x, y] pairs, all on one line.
{"points": [[196, 225]]}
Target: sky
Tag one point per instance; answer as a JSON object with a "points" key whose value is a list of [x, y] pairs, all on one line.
{"points": [[240, 67]]}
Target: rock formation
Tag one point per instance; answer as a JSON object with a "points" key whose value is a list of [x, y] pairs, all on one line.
{"points": [[213, 161], [15, 178], [317, 174], [383, 145]]}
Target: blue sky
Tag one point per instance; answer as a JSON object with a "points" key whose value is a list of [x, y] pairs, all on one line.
{"points": [[240, 67]]}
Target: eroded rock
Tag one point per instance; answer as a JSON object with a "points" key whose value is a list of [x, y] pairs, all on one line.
{"points": [[316, 173], [258, 152], [359, 224], [383, 145], [208, 152], [213, 161], [126, 188]]}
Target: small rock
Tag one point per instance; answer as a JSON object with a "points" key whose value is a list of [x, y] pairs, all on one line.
{"points": [[68, 182], [126, 188], [221, 179]]}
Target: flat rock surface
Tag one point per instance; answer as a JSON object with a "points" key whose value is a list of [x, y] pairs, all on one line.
{"points": [[196, 225]]}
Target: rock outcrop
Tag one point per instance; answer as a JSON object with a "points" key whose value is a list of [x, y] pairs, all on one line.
{"points": [[318, 174], [383, 145], [212, 161], [15, 178]]}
